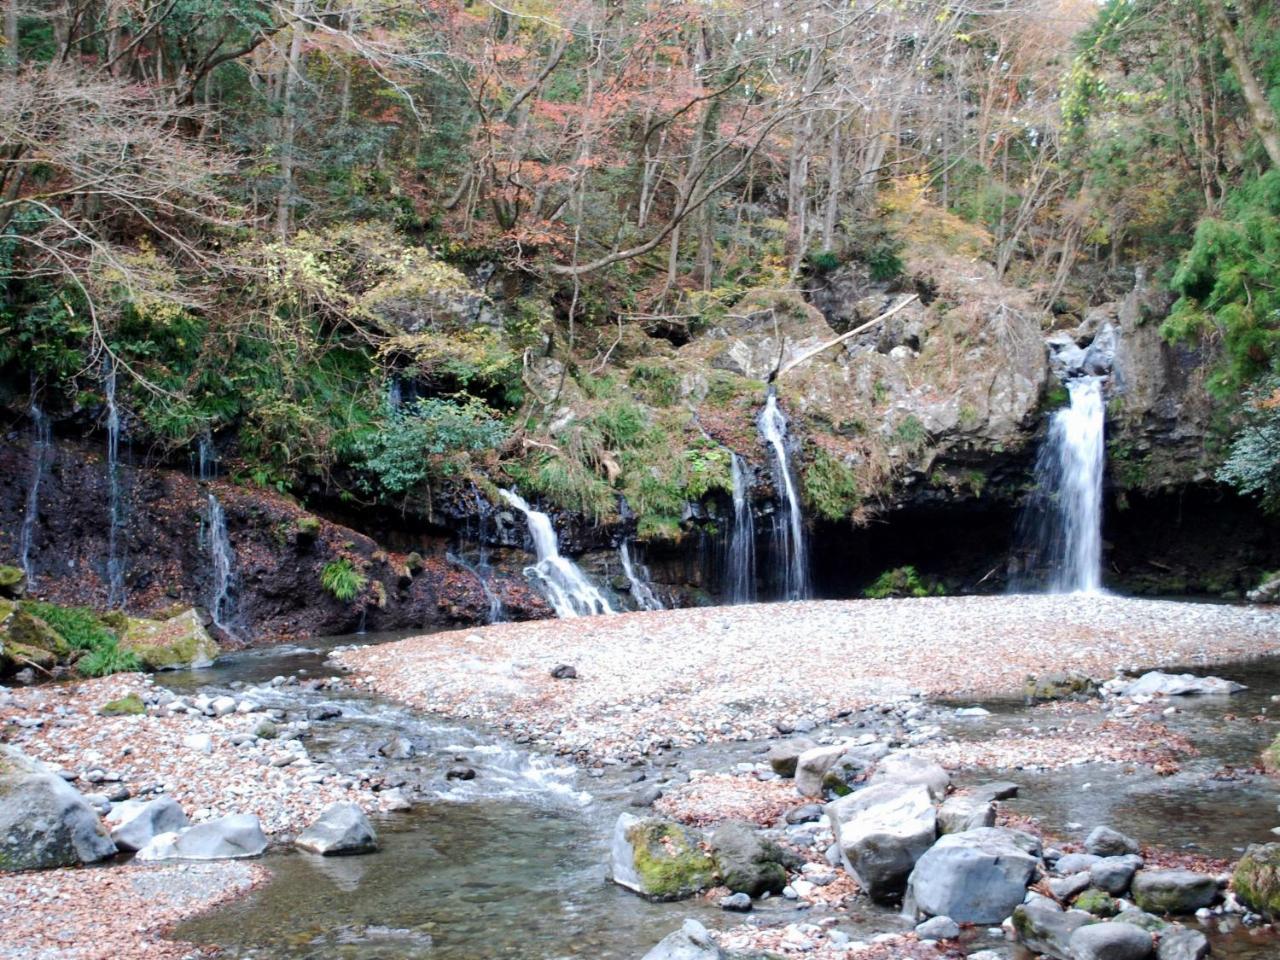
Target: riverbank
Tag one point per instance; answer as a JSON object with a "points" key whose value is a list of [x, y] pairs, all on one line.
{"points": [[649, 681]]}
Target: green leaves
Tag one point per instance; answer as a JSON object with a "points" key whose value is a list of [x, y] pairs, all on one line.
{"points": [[343, 580]]}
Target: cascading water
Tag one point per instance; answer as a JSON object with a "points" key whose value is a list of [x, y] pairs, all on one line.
{"points": [[222, 557], [568, 591], [637, 576], [115, 505], [740, 569], [480, 572], [39, 454], [1062, 523], [208, 457], [788, 524]]}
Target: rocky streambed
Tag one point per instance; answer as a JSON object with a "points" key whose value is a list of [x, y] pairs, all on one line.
{"points": [[505, 849]]}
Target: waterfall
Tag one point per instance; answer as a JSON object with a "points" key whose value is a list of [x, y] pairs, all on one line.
{"points": [[208, 457], [740, 586], [568, 591], [788, 524], [394, 395], [1062, 523], [637, 576], [223, 561], [115, 506], [39, 453], [481, 572]]}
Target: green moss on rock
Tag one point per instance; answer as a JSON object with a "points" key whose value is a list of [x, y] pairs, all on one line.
{"points": [[1257, 879], [1097, 902], [27, 629], [171, 644], [130, 705], [669, 863], [13, 582]]}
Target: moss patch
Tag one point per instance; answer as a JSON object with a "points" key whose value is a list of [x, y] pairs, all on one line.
{"points": [[180, 641], [12, 581], [1257, 879], [670, 865], [127, 706], [26, 629], [1097, 902]]}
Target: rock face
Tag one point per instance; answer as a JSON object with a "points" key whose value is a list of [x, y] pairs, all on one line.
{"points": [[1173, 891], [44, 822], [690, 942], [135, 823], [977, 876], [881, 832], [342, 829], [748, 864], [227, 838], [658, 859], [1257, 879]]}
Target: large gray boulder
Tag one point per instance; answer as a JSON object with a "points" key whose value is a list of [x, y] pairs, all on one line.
{"points": [[906, 767], [977, 876], [1110, 941], [881, 832], [1113, 874], [690, 942], [1173, 891], [812, 766], [853, 767], [227, 838], [1043, 927], [784, 755], [748, 863], [1180, 943], [1105, 842], [44, 822], [342, 829], [962, 811], [135, 823], [1157, 684], [658, 859]]}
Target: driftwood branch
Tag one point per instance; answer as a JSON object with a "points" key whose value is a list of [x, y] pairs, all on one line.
{"points": [[780, 370]]}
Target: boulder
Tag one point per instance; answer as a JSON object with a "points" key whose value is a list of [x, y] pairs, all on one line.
{"points": [[1157, 684], [658, 859], [748, 863], [227, 838], [938, 928], [1105, 842], [994, 790], [135, 823], [1140, 918], [784, 755], [1097, 902], [1113, 874], [977, 876], [690, 942], [853, 767], [1074, 863], [881, 832], [1179, 943], [1173, 891], [44, 822], [1064, 888], [909, 768], [342, 829], [130, 705], [173, 644], [1043, 928], [962, 812], [1110, 941], [13, 582], [812, 765], [1256, 879], [1060, 686]]}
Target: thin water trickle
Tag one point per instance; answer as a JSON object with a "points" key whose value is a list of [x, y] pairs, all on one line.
{"points": [[222, 557], [39, 454], [208, 457], [115, 504], [1062, 523], [482, 574], [638, 577], [788, 525], [740, 571], [567, 589]]}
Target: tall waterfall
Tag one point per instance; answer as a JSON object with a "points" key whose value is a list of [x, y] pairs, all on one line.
{"points": [[568, 591], [39, 454], [740, 569], [643, 594], [115, 504], [222, 557], [1062, 524], [788, 524]]}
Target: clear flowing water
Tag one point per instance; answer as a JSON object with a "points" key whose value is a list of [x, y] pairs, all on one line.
{"points": [[740, 568], [222, 561], [566, 588], [1062, 523], [207, 458], [638, 577], [115, 499], [790, 548], [482, 573], [41, 445]]}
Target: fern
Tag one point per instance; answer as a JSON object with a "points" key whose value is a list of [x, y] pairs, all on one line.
{"points": [[343, 580]]}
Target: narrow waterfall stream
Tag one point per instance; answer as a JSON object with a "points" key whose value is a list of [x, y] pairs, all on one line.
{"points": [[740, 568], [115, 500], [1061, 527], [40, 454], [222, 558], [482, 573], [638, 577], [567, 589], [788, 525]]}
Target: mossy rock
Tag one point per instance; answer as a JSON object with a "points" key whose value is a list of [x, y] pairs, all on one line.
{"points": [[307, 528], [172, 644], [26, 629], [1097, 902], [22, 655], [1257, 879], [1271, 756], [130, 705], [669, 863], [1060, 686], [13, 582]]}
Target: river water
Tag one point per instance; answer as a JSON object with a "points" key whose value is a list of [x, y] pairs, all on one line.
{"points": [[511, 864]]}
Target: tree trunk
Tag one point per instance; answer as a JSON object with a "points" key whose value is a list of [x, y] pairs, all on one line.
{"points": [[11, 33], [289, 123], [1260, 111]]}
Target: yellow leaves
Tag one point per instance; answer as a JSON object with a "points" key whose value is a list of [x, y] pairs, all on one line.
{"points": [[919, 221]]}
